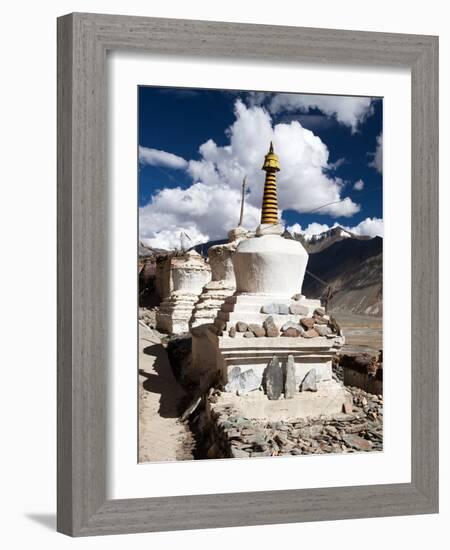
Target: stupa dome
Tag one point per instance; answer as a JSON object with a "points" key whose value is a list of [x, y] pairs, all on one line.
{"points": [[270, 264]]}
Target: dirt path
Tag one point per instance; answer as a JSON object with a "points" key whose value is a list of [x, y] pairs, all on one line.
{"points": [[161, 437]]}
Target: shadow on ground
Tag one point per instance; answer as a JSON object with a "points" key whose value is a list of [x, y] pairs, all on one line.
{"points": [[163, 383], [46, 520]]}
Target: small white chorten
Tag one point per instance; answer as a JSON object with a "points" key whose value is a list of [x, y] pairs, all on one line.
{"points": [[188, 275]]}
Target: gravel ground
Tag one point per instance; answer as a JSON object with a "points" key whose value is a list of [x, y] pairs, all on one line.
{"points": [[230, 435], [240, 437]]}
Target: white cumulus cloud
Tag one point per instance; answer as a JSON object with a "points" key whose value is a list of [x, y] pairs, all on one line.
{"points": [[202, 212], [350, 111], [156, 157], [210, 206], [370, 227], [358, 185], [377, 161]]}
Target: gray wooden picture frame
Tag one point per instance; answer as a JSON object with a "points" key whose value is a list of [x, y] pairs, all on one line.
{"points": [[83, 42]]}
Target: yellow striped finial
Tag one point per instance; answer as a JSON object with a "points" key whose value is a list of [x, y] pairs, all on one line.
{"points": [[269, 214]]}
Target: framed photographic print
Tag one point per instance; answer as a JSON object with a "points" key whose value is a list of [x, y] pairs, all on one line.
{"points": [[247, 258]]}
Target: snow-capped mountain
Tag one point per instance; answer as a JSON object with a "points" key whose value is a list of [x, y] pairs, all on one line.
{"points": [[316, 243]]}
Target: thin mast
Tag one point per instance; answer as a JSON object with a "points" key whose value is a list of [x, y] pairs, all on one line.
{"points": [[242, 202]]}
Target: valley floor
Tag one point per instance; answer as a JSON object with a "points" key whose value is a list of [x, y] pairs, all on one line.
{"points": [[363, 333]]}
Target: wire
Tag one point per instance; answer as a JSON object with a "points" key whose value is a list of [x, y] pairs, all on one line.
{"points": [[341, 200], [324, 283]]}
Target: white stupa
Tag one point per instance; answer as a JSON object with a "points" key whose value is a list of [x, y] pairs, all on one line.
{"points": [[252, 324]]}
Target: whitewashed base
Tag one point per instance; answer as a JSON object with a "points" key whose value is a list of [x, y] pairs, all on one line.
{"points": [[327, 401]]}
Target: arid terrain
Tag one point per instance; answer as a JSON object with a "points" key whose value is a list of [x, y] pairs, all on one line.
{"points": [[162, 400], [363, 333]]}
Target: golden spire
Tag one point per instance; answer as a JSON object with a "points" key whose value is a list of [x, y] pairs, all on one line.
{"points": [[269, 214]]}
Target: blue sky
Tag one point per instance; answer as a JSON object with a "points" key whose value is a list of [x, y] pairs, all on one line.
{"points": [[196, 145]]}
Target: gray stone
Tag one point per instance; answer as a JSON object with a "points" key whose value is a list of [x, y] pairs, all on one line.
{"points": [[298, 309], [240, 421], [343, 417], [311, 333], [232, 332], [356, 428], [289, 384], [320, 311], [309, 382], [320, 320], [310, 431], [307, 322], [248, 381], [275, 309], [233, 380], [257, 440], [281, 439], [231, 386], [239, 453], [296, 452], [249, 334], [298, 297], [292, 332], [357, 442], [234, 373], [291, 324], [241, 326], [271, 328], [331, 430], [273, 379], [270, 308], [257, 330], [323, 330]]}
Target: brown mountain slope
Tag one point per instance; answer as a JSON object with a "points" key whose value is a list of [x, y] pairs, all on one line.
{"points": [[354, 270]]}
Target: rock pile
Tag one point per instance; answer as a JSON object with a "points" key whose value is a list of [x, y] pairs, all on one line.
{"points": [[148, 317], [319, 324], [240, 437]]}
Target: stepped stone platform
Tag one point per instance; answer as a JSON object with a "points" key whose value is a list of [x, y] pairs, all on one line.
{"points": [[255, 353], [256, 406], [222, 284]]}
